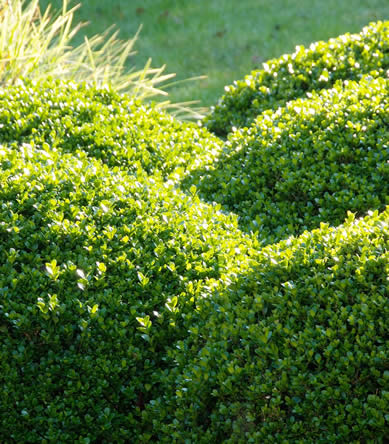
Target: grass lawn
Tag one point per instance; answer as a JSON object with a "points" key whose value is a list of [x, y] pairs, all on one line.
{"points": [[222, 39]]}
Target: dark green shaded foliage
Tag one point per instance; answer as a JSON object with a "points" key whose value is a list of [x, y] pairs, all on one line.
{"points": [[295, 351], [111, 127], [293, 75], [306, 163]]}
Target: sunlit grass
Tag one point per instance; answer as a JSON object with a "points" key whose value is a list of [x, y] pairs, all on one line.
{"points": [[37, 45], [224, 39]]}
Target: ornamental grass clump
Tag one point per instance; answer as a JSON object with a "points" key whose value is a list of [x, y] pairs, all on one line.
{"points": [[306, 163], [37, 46], [293, 75]]}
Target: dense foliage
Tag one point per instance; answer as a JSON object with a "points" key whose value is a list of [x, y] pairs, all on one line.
{"points": [[293, 75], [116, 129], [296, 350], [133, 311], [99, 269], [308, 162]]}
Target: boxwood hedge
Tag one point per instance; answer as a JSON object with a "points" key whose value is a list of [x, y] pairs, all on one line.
{"points": [[296, 350], [308, 162], [293, 75], [131, 310], [114, 128], [100, 274]]}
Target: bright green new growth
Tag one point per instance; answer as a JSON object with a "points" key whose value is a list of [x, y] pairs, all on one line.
{"points": [[293, 75], [306, 163], [116, 129], [39, 46], [131, 311]]}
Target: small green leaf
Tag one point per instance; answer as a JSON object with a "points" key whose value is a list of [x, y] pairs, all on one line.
{"points": [[102, 267]]}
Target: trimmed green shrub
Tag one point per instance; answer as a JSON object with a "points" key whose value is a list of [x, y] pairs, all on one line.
{"points": [[296, 351], [130, 310], [306, 163], [116, 129], [293, 75], [100, 275]]}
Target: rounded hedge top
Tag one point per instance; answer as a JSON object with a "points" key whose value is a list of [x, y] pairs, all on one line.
{"points": [[116, 129], [306, 163], [293, 75], [100, 273]]}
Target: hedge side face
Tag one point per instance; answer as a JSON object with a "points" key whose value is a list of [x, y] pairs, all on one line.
{"points": [[306, 163], [100, 274], [293, 75], [294, 351]]}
